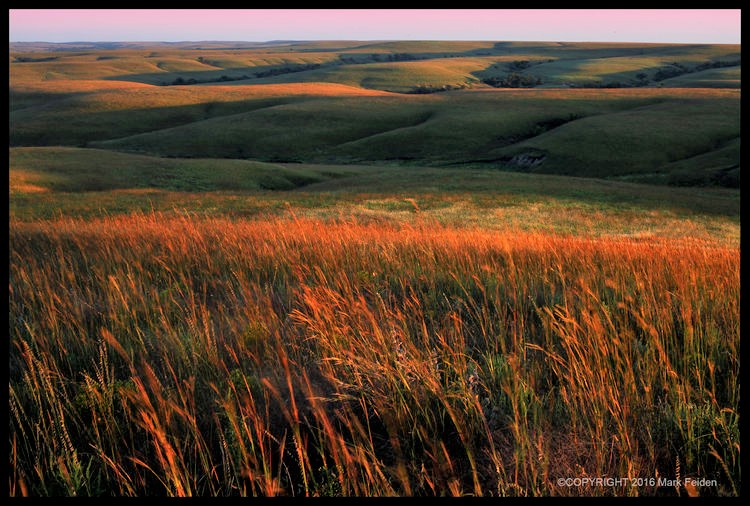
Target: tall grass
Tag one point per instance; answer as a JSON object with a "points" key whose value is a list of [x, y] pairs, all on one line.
{"points": [[153, 354]]}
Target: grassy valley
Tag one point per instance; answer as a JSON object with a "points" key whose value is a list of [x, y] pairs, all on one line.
{"points": [[665, 114]]}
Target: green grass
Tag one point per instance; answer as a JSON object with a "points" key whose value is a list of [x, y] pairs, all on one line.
{"points": [[443, 63], [622, 70], [150, 67], [594, 71], [299, 131], [334, 111], [641, 140], [727, 77], [723, 162], [401, 77], [97, 110], [53, 182], [590, 133], [60, 169]]}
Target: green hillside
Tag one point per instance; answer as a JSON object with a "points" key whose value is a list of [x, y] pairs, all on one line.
{"points": [[625, 133], [47, 182], [61, 169], [441, 63], [728, 77], [661, 113]]}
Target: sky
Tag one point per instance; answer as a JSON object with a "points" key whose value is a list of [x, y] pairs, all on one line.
{"points": [[718, 26]]}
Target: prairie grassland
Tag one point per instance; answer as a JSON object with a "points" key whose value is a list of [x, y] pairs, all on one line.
{"points": [[315, 289], [398, 76], [631, 132], [712, 78], [156, 354], [49, 182], [150, 67], [575, 132], [555, 62]]}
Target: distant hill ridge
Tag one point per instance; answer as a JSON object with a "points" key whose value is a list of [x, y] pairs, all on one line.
{"points": [[88, 46]]}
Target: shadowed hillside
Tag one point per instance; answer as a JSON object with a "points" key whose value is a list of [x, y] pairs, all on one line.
{"points": [[661, 113]]}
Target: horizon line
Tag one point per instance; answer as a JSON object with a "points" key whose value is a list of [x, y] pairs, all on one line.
{"points": [[190, 41]]}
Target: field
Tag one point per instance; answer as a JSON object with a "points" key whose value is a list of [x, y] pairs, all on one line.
{"points": [[374, 269], [649, 113]]}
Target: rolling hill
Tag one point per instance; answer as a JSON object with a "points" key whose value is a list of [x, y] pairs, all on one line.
{"points": [[661, 113]]}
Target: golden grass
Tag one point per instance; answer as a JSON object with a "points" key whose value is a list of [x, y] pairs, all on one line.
{"points": [[120, 95], [155, 354], [610, 93], [21, 181], [179, 95]]}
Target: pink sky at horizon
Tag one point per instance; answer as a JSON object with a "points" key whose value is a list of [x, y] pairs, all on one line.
{"points": [[563, 25]]}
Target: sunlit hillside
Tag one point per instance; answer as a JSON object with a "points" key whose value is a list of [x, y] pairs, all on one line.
{"points": [[398, 102]]}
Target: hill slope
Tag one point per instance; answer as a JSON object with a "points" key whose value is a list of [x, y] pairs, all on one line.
{"points": [[662, 113]]}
